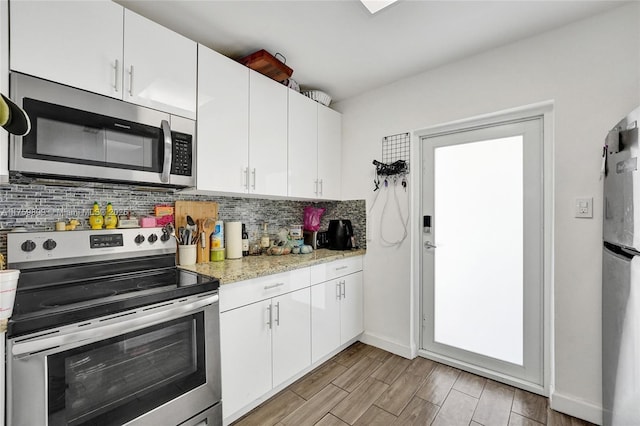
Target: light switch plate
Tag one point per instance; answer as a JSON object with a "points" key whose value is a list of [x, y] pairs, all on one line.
{"points": [[584, 207]]}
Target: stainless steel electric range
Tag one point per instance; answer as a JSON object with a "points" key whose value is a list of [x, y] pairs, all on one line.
{"points": [[106, 330]]}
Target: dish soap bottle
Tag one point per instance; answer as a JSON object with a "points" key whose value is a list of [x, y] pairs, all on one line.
{"points": [[95, 217], [110, 218]]}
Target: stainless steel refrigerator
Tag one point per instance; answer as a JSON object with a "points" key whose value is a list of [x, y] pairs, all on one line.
{"points": [[621, 276]]}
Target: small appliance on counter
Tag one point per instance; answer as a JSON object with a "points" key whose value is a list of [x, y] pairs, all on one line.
{"points": [[316, 239], [340, 235]]}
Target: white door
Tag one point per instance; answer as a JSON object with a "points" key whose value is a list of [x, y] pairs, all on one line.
{"points": [[325, 318], [303, 146], [223, 123], [245, 346], [482, 261], [74, 43], [267, 135], [351, 311], [329, 153], [291, 334], [160, 67]]}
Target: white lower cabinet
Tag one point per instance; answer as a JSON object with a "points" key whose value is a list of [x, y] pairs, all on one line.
{"points": [[263, 343], [245, 341], [275, 327], [336, 313], [290, 334]]}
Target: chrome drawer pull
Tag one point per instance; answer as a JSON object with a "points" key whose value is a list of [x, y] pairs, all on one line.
{"points": [[268, 287], [342, 267]]}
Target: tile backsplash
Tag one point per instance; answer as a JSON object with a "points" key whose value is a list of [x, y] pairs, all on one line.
{"points": [[37, 205]]}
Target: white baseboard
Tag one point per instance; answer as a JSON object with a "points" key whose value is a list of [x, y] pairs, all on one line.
{"points": [[575, 407], [388, 345]]}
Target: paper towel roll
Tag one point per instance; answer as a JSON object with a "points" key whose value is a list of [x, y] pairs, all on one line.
{"points": [[233, 239]]}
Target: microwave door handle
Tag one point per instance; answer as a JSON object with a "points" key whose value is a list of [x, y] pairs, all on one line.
{"points": [[166, 167]]}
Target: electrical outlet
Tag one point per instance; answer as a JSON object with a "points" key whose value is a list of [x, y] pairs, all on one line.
{"points": [[584, 207]]}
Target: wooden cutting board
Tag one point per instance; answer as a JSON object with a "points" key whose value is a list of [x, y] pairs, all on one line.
{"points": [[204, 213]]}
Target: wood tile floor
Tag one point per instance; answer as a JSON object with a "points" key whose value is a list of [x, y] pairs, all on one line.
{"points": [[364, 385]]}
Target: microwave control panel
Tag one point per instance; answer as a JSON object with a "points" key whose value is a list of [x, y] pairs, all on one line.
{"points": [[182, 154]]}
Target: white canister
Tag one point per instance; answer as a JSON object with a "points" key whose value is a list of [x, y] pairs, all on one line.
{"points": [[233, 239], [8, 285], [187, 254]]}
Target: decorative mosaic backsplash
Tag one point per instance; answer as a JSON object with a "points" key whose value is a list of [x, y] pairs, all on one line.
{"points": [[36, 206]]}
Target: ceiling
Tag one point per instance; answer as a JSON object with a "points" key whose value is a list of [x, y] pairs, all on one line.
{"points": [[339, 47]]}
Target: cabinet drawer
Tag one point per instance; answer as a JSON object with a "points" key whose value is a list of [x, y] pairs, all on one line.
{"points": [[335, 269], [256, 289]]}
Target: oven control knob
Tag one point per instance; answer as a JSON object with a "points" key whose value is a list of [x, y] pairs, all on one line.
{"points": [[139, 239], [28, 246], [152, 238], [164, 237], [49, 244]]}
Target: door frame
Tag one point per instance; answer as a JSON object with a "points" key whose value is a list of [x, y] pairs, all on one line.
{"points": [[546, 110]]}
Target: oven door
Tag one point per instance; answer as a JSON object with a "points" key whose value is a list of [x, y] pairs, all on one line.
{"points": [[157, 365]]}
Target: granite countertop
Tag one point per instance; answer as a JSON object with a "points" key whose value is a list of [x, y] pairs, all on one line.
{"points": [[230, 271]]}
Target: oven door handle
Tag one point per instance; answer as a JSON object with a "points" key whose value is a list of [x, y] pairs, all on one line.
{"points": [[108, 327]]}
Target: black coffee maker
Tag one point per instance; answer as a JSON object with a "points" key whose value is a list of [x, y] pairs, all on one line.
{"points": [[340, 235]]}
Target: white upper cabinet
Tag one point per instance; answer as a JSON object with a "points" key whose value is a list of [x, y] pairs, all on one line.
{"points": [[329, 153], [75, 43], [242, 128], [80, 44], [159, 67], [315, 149], [223, 123], [267, 136], [303, 146]]}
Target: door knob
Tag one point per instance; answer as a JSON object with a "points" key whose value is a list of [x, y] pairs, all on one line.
{"points": [[428, 245]]}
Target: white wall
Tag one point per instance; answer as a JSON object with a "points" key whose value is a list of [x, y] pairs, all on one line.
{"points": [[591, 70]]}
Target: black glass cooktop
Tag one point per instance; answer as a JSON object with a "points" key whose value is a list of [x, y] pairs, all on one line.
{"points": [[51, 297]]}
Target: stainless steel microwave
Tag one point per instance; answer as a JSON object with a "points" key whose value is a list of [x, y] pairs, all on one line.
{"points": [[81, 135]]}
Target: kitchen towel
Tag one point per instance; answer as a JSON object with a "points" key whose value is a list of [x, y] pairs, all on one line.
{"points": [[233, 239]]}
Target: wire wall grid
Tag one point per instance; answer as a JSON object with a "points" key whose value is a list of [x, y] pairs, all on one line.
{"points": [[396, 147]]}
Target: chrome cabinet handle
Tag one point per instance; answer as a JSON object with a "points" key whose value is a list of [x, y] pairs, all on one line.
{"points": [[253, 174], [270, 322], [316, 191], [278, 314], [344, 290], [321, 187], [268, 287], [341, 268], [116, 66], [131, 81], [166, 166], [429, 245], [245, 178], [338, 291]]}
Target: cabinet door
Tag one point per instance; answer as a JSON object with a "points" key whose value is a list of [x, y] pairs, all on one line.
{"points": [[245, 343], [291, 334], [325, 319], [303, 146], [160, 67], [329, 153], [74, 43], [351, 312], [267, 135], [223, 123]]}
